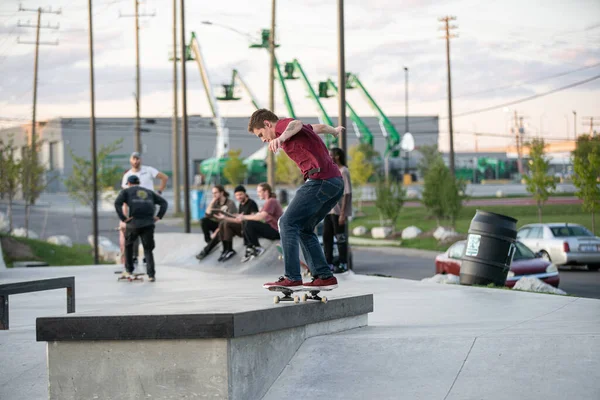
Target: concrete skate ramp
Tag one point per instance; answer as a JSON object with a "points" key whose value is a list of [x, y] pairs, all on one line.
{"points": [[387, 363], [180, 249]]}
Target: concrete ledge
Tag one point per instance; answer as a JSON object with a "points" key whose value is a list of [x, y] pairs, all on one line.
{"points": [[198, 326], [233, 355]]}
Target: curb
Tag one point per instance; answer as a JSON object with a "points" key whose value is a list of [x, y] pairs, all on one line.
{"points": [[357, 241]]}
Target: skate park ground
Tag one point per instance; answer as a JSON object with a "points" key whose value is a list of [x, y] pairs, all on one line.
{"points": [[423, 340]]}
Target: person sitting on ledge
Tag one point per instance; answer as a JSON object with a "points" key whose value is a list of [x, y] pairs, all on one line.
{"points": [[254, 227], [229, 226], [210, 224]]}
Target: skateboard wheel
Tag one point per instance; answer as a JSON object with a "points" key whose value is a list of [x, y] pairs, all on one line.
{"points": [[323, 299], [304, 297], [296, 299], [276, 299]]}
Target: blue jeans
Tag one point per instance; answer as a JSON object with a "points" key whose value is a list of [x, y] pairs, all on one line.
{"points": [[312, 202]]}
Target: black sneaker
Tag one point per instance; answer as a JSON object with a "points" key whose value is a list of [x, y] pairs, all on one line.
{"points": [[201, 255], [248, 255], [340, 269], [258, 251], [228, 255], [222, 256]]}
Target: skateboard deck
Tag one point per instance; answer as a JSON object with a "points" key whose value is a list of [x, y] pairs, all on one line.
{"points": [[311, 294]]}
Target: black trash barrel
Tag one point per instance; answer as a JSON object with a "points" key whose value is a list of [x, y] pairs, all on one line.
{"points": [[489, 250]]}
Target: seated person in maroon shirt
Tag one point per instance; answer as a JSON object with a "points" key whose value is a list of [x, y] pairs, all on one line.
{"points": [[254, 227]]}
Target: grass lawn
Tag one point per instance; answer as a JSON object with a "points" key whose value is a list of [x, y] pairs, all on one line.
{"points": [[22, 249], [419, 217]]}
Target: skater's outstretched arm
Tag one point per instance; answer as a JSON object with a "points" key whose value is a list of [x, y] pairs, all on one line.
{"points": [[324, 129]]}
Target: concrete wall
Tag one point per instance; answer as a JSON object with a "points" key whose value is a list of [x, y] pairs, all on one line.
{"points": [[236, 369]]}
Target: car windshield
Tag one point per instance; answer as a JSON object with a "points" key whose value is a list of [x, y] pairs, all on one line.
{"points": [[523, 252], [570, 230]]}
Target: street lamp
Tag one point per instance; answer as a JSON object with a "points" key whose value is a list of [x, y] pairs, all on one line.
{"points": [[407, 179], [575, 125]]}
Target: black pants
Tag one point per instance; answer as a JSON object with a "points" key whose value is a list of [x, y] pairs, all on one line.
{"points": [[332, 227], [146, 234], [253, 230], [208, 227]]}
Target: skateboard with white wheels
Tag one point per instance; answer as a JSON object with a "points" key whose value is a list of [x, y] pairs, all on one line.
{"points": [[313, 294], [133, 277], [287, 293]]}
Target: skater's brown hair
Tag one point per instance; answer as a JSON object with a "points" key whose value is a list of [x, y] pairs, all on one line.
{"points": [[221, 189], [266, 187], [258, 118]]}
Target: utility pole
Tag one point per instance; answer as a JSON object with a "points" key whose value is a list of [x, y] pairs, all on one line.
{"points": [[589, 121], [175, 127], [447, 27], [137, 15], [519, 131], [270, 154], [93, 138], [184, 130], [341, 78], [37, 43]]}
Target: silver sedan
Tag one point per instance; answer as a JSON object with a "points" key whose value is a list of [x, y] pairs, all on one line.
{"points": [[563, 243]]}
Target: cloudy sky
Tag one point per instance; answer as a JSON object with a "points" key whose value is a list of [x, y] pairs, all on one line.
{"points": [[506, 51]]}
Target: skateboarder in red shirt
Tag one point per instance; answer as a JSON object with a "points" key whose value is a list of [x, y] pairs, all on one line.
{"points": [[322, 189]]}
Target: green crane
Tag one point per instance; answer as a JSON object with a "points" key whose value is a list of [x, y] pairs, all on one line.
{"points": [[255, 162], [361, 129], [229, 89], [290, 68], [387, 128], [264, 44]]}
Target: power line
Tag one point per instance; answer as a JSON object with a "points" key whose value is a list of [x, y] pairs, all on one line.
{"points": [[516, 85], [535, 96]]}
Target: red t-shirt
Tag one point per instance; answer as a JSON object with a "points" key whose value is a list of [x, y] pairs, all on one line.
{"points": [[274, 212], [308, 151]]}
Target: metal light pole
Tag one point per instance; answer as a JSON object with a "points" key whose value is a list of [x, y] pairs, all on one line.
{"points": [[270, 154], [341, 78], [575, 125], [343, 142], [175, 123], [93, 139], [406, 116], [184, 120]]}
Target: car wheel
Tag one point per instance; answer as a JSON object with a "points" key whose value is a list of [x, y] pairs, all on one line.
{"points": [[545, 256], [593, 267]]}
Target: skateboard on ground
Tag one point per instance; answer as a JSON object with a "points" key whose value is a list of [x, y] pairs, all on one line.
{"points": [[306, 271], [287, 292], [136, 276]]}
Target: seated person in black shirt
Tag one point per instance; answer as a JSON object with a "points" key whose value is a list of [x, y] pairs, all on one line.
{"points": [[229, 227]]}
